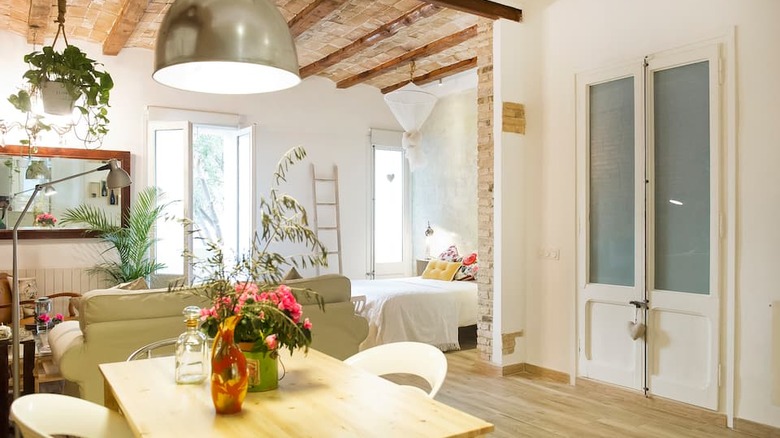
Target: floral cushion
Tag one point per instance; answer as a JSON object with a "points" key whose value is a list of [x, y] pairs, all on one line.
{"points": [[468, 269], [450, 254]]}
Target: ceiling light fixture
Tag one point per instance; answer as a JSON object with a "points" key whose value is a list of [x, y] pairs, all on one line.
{"points": [[225, 47]]}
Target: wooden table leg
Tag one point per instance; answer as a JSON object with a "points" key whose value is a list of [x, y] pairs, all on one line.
{"points": [[28, 379]]}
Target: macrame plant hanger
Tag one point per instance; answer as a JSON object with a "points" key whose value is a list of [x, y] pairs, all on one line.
{"points": [[60, 23]]}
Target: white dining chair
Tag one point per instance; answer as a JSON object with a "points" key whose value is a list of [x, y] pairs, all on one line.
{"points": [[46, 415], [415, 358], [153, 349]]}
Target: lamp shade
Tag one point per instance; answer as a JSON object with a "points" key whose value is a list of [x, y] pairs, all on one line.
{"points": [[117, 177], [411, 106], [225, 47]]}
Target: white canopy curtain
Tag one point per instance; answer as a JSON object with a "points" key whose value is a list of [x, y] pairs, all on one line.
{"points": [[411, 106]]}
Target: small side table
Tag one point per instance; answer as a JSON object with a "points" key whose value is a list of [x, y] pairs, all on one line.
{"points": [[27, 379], [421, 264], [46, 371]]}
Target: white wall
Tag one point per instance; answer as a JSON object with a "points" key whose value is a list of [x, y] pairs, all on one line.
{"points": [[444, 192], [331, 124], [580, 35]]}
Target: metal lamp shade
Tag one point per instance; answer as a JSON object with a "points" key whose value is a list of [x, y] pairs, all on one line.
{"points": [[225, 47], [117, 178]]}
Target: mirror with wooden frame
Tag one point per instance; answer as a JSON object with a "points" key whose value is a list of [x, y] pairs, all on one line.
{"points": [[20, 171]]}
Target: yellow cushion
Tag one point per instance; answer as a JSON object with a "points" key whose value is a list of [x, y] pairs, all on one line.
{"points": [[440, 270]]}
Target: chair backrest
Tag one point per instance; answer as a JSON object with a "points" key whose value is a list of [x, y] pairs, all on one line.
{"points": [[414, 358], [153, 349], [360, 303], [44, 415]]}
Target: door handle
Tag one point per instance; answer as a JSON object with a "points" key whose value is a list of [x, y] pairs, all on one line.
{"points": [[639, 304]]}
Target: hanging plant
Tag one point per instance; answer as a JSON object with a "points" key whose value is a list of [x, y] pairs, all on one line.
{"points": [[70, 75]]}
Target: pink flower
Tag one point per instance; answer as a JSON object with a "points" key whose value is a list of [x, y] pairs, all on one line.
{"points": [[470, 259], [307, 324], [44, 318], [206, 313], [270, 342], [59, 317]]}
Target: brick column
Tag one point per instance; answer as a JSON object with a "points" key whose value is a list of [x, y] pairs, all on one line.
{"points": [[485, 234]]}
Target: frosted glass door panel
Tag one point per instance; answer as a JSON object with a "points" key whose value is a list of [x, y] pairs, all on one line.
{"points": [[388, 206], [611, 190], [682, 178]]}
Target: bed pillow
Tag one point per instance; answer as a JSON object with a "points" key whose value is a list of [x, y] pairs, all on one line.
{"points": [[450, 254], [469, 268], [441, 270]]}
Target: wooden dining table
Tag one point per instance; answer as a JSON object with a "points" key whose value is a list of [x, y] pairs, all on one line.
{"points": [[319, 396]]}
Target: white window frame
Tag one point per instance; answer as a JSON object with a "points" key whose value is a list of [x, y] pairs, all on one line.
{"points": [[167, 118]]}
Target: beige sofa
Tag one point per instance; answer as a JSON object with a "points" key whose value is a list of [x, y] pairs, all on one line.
{"points": [[337, 331], [113, 323]]}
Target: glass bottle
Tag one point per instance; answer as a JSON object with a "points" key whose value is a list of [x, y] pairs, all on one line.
{"points": [[192, 356]]}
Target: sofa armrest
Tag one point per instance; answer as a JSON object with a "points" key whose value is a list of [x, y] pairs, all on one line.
{"points": [[338, 331], [67, 342]]}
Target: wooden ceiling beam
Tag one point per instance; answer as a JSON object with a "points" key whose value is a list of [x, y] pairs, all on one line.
{"points": [[483, 8], [421, 52], [311, 15], [383, 32], [435, 75], [38, 20], [129, 16]]}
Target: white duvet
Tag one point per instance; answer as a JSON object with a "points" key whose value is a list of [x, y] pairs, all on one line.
{"points": [[416, 309]]}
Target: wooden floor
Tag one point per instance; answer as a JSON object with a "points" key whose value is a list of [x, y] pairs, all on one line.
{"points": [[528, 406]]}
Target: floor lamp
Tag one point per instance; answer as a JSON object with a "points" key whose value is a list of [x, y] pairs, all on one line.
{"points": [[116, 179]]}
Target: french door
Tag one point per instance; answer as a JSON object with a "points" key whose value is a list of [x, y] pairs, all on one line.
{"points": [[648, 225], [390, 252]]}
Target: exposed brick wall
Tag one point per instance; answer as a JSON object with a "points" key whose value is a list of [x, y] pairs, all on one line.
{"points": [[513, 116], [485, 188]]}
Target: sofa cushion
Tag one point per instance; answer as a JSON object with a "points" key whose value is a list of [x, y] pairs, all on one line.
{"points": [[106, 305], [137, 284]]}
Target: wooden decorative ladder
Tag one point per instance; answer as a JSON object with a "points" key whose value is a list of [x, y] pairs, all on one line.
{"points": [[328, 232]]}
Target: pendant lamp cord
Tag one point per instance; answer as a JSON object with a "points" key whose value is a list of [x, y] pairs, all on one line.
{"points": [[60, 23]]}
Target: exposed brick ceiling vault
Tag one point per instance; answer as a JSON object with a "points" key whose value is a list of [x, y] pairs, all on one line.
{"points": [[382, 43]]}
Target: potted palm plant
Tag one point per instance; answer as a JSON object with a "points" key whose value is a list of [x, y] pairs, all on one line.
{"points": [[131, 244], [63, 80]]}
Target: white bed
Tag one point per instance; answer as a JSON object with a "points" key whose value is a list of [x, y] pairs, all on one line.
{"points": [[416, 309]]}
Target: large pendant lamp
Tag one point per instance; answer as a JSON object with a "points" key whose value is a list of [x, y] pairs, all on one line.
{"points": [[225, 47], [411, 106]]}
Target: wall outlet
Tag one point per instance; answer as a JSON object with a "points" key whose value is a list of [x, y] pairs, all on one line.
{"points": [[550, 253]]}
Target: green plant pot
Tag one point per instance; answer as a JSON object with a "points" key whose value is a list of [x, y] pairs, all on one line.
{"points": [[263, 371], [56, 99]]}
